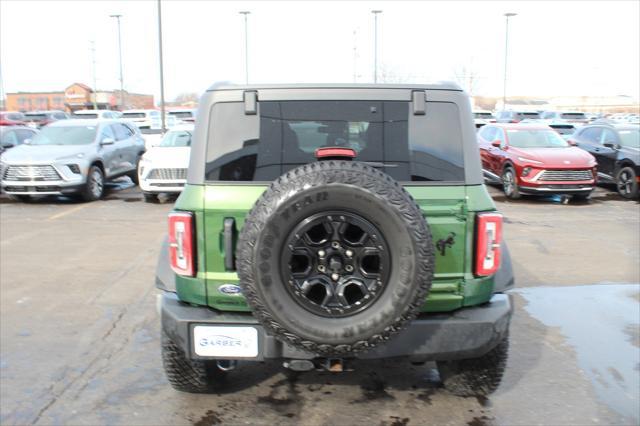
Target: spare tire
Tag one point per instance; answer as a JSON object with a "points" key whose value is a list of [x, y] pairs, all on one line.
{"points": [[335, 257]]}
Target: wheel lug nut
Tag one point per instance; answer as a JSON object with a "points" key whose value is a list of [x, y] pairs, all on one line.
{"points": [[321, 253], [335, 245], [335, 276], [349, 268], [349, 253], [321, 268]]}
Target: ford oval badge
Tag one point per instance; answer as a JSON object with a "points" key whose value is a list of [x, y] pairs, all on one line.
{"points": [[230, 289]]}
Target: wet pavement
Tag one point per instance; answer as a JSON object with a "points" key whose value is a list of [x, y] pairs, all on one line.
{"points": [[602, 325], [79, 340]]}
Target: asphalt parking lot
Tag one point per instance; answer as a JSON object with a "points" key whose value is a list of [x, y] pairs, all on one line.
{"points": [[80, 334]]}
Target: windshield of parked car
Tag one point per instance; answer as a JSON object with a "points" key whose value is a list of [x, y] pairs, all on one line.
{"points": [[630, 138], [65, 135], [484, 115], [11, 116], [35, 116], [176, 138], [83, 115], [573, 116], [181, 114], [531, 138], [133, 115]]}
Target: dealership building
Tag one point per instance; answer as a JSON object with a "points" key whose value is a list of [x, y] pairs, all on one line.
{"points": [[77, 96]]}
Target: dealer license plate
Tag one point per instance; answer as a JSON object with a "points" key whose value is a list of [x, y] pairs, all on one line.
{"points": [[228, 342]]}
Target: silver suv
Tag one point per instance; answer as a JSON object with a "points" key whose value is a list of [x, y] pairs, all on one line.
{"points": [[72, 157]]}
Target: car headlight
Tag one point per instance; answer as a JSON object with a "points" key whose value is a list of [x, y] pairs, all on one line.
{"points": [[529, 160]]}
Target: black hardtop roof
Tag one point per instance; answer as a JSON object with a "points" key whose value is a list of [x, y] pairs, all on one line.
{"points": [[444, 85]]}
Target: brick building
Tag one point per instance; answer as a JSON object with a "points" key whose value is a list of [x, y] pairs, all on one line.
{"points": [[76, 96]]}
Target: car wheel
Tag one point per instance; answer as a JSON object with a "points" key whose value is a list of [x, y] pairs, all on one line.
{"points": [[133, 175], [21, 198], [335, 258], [475, 376], [510, 183], [627, 182], [94, 188], [150, 197], [582, 197], [188, 375]]}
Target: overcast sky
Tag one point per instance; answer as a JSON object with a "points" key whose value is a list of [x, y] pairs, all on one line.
{"points": [[555, 48]]}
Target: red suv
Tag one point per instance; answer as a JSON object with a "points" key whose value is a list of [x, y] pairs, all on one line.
{"points": [[534, 159]]}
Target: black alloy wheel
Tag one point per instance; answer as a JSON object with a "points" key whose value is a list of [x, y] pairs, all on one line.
{"points": [[336, 263]]}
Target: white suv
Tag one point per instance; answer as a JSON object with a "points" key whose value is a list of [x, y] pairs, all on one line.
{"points": [[163, 168], [147, 119]]}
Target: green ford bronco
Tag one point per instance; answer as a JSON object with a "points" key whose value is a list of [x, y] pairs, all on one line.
{"points": [[322, 224]]}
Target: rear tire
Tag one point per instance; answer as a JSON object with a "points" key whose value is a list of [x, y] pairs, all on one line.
{"points": [[150, 197], [475, 376], [510, 183], [627, 182], [94, 188], [21, 198], [188, 375]]}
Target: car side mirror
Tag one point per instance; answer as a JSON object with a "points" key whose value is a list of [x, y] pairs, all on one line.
{"points": [[572, 143], [107, 141], [611, 145], [496, 143]]}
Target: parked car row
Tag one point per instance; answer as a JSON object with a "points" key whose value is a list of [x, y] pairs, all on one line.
{"points": [[77, 156], [529, 157], [532, 158], [145, 119]]}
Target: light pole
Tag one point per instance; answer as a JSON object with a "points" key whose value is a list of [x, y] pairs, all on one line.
{"points": [[506, 50], [246, 47], [95, 85], [375, 44], [120, 55], [162, 117]]}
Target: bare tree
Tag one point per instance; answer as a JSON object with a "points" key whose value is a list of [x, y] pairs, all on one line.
{"points": [[467, 77], [186, 97]]}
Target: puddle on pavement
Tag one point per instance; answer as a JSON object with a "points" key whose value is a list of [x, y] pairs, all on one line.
{"points": [[601, 323]]}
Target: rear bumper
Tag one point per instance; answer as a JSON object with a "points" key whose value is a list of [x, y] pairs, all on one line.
{"points": [[465, 333]]}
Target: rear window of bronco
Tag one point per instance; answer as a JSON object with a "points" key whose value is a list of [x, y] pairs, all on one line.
{"points": [[286, 134]]}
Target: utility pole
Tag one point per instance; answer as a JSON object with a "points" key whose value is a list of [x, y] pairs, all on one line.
{"points": [[164, 126], [355, 56], [506, 50], [95, 86], [120, 55], [246, 46], [375, 44], [3, 101]]}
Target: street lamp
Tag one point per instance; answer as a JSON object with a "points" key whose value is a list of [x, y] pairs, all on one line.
{"points": [[162, 117], [120, 55], [506, 49], [246, 47], [375, 44]]}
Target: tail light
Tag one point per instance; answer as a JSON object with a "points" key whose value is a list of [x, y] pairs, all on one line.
{"points": [[488, 238], [181, 243]]}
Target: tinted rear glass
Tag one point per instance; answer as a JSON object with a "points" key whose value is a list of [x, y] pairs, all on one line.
{"points": [[286, 134], [87, 116], [529, 114], [485, 115]]}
